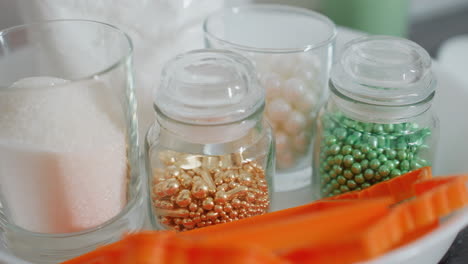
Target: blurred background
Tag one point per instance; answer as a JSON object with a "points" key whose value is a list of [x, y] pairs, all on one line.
{"points": [[428, 22]]}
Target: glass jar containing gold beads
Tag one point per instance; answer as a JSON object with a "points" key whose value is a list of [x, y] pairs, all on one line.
{"points": [[210, 151]]}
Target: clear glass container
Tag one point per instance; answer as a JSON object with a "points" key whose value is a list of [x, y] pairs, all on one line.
{"points": [[210, 151], [292, 51], [378, 122], [69, 151]]}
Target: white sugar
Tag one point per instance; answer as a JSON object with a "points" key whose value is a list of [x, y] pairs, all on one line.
{"points": [[63, 165]]}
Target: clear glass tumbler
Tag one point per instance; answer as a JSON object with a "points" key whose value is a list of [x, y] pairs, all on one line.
{"points": [[292, 51], [69, 152]]}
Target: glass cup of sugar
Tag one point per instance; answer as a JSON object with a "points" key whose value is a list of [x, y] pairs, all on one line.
{"points": [[292, 51], [69, 151]]}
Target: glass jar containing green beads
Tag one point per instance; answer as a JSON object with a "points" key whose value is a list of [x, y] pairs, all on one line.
{"points": [[377, 123]]}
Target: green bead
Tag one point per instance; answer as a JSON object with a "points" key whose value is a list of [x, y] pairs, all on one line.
{"points": [[368, 174], [338, 159], [359, 178], [380, 151], [351, 140], [332, 174], [337, 169], [384, 170], [327, 167], [388, 128], [351, 184], [349, 123], [336, 192], [381, 141], [347, 149], [382, 158], [334, 184], [391, 153], [405, 165], [341, 180], [334, 149], [386, 179], [356, 168], [401, 154], [389, 164], [410, 156], [330, 140], [330, 161], [375, 164], [326, 179], [378, 128], [357, 154], [348, 161], [373, 143], [395, 173], [364, 164], [365, 185], [344, 188], [415, 165], [368, 127], [397, 128], [377, 176], [396, 162], [340, 133], [372, 155], [365, 149], [358, 189], [348, 174]]}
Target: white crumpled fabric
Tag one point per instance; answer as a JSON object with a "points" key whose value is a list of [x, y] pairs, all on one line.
{"points": [[160, 29]]}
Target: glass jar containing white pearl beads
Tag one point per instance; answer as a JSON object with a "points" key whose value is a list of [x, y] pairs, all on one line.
{"points": [[292, 50], [210, 151]]}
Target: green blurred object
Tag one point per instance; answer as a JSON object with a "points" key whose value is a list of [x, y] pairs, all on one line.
{"points": [[383, 17]]}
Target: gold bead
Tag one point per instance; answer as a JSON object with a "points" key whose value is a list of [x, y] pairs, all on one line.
{"points": [[199, 189], [221, 197], [212, 215], [193, 207], [227, 207], [250, 197], [184, 198], [218, 208], [171, 187], [236, 203], [185, 180], [208, 203]]}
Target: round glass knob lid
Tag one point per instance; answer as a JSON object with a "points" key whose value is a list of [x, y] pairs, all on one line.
{"points": [[209, 87], [384, 70]]}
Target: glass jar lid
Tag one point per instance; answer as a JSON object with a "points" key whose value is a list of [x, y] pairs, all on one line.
{"points": [[384, 70], [209, 87]]}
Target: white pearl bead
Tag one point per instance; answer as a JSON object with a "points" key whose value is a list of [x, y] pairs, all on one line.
{"points": [[272, 84], [294, 89], [278, 110], [306, 103], [295, 123], [282, 141]]}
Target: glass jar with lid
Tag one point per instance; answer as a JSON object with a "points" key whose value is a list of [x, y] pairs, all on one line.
{"points": [[210, 151], [377, 123]]}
